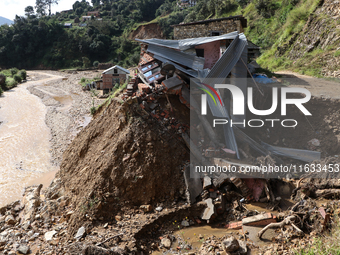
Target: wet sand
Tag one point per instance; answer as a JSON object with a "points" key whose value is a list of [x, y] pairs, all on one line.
{"points": [[39, 119]]}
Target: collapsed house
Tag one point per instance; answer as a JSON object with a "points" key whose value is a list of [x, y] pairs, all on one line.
{"points": [[186, 67], [209, 60]]}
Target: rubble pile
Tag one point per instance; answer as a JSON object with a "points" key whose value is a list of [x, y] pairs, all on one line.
{"points": [[127, 158], [311, 221], [125, 185], [39, 224], [225, 245]]}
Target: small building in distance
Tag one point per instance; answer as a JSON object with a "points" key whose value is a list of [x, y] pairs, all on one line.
{"points": [[85, 18], [114, 75], [210, 27], [186, 3], [68, 25], [94, 13]]}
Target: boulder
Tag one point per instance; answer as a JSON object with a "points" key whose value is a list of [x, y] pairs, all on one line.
{"points": [[80, 233], [166, 242], [49, 235], [230, 244]]}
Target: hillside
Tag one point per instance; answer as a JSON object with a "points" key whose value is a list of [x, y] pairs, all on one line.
{"points": [[44, 42], [300, 35], [4, 21]]}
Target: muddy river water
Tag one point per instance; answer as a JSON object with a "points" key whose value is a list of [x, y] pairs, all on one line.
{"points": [[24, 141]]}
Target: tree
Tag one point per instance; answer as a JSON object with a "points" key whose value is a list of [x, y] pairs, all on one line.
{"points": [[95, 3], [42, 5], [29, 10], [86, 62]]}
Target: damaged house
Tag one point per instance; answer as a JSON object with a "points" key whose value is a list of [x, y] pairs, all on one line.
{"points": [[188, 66]]}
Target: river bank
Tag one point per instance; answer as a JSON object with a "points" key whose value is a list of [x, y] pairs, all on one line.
{"points": [[68, 107], [38, 121]]}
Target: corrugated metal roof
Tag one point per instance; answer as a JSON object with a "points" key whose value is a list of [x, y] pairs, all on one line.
{"points": [[188, 43], [177, 56], [119, 67], [303, 155], [189, 72]]}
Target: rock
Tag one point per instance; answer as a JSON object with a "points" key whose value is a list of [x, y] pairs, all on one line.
{"points": [[207, 182], [92, 249], [80, 233], [210, 210], [315, 142], [159, 208], [2, 241], [185, 223], [23, 249], [269, 252], [243, 250], [33, 237], [146, 208], [118, 218], [10, 220], [230, 244], [31, 201], [49, 235], [106, 225], [166, 242], [30, 233], [26, 225]]}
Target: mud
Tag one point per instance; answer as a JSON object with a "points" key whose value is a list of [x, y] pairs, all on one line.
{"points": [[123, 158]]}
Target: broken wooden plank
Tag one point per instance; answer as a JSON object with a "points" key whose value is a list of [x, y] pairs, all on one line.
{"points": [[259, 220], [234, 225]]}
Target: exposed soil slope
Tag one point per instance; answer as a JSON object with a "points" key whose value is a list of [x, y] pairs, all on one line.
{"points": [[123, 158], [152, 30]]}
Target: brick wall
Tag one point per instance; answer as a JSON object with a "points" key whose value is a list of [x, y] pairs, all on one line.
{"points": [[108, 78], [205, 29]]}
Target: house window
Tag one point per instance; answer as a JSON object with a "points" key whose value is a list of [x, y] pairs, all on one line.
{"points": [[215, 33], [148, 67], [115, 71], [200, 53]]}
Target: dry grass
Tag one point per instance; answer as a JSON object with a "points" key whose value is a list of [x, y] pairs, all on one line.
{"points": [[326, 244]]}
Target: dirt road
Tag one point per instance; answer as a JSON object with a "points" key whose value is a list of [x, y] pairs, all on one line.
{"points": [[317, 86]]}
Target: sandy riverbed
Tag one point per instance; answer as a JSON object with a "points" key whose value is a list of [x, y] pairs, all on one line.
{"points": [[68, 107], [37, 129]]}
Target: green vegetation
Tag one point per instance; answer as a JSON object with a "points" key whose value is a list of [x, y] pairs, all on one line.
{"points": [[271, 25], [325, 245], [37, 39], [108, 100], [10, 78], [40, 39], [84, 81]]}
